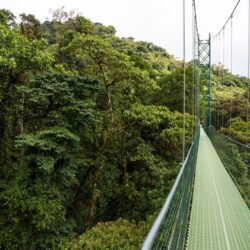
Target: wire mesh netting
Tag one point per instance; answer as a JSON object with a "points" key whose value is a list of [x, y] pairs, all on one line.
{"points": [[172, 231], [236, 159]]}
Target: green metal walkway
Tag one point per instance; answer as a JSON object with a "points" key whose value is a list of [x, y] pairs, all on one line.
{"points": [[220, 219]]}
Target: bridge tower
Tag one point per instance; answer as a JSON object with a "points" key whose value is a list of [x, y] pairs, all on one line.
{"points": [[204, 60]]}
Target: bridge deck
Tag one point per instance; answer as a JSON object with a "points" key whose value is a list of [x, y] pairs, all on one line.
{"points": [[220, 219]]}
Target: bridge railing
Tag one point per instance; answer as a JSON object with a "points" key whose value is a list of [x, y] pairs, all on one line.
{"points": [[170, 227], [236, 159]]}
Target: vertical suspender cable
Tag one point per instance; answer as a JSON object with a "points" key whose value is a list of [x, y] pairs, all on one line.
{"points": [[218, 115], [231, 63], [219, 57], [184, 81], [198, 77], [222, 118], [223, 63], [193, 76], [210, 94], [223, 57], [248, 68], [219, 73], [231, 69]]}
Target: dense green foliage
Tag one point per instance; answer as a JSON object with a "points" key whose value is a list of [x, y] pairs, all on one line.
{"points": [[238, 129], [86, 132], [230, 100], [90, 132], [120, 234]]}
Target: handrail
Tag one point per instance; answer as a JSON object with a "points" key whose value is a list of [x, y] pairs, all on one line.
{"points": [[148, 242], [239, 143]]}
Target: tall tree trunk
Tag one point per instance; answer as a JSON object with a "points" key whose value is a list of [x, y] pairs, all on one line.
{"points": [[8, 120], [19, 123], [93, 198], [100, 163], [111, 110], [101, 159]]}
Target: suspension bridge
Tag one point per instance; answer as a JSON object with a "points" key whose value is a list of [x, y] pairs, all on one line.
{"points": [[208, 205]]}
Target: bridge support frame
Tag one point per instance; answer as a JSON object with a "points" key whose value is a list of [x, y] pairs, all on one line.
{"points": [[204, 59]]}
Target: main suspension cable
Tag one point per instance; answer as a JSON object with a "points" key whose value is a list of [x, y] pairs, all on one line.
{"points": [[196, 40], [223, 27], [195, 19]]}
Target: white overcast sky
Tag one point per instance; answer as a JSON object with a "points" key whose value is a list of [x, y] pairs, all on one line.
{"points": [[157, 21]]}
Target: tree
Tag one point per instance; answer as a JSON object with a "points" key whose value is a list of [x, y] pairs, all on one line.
{"points": [[60, 108], [171, 93], [19, 58], [31, 27], [7, 18]]}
